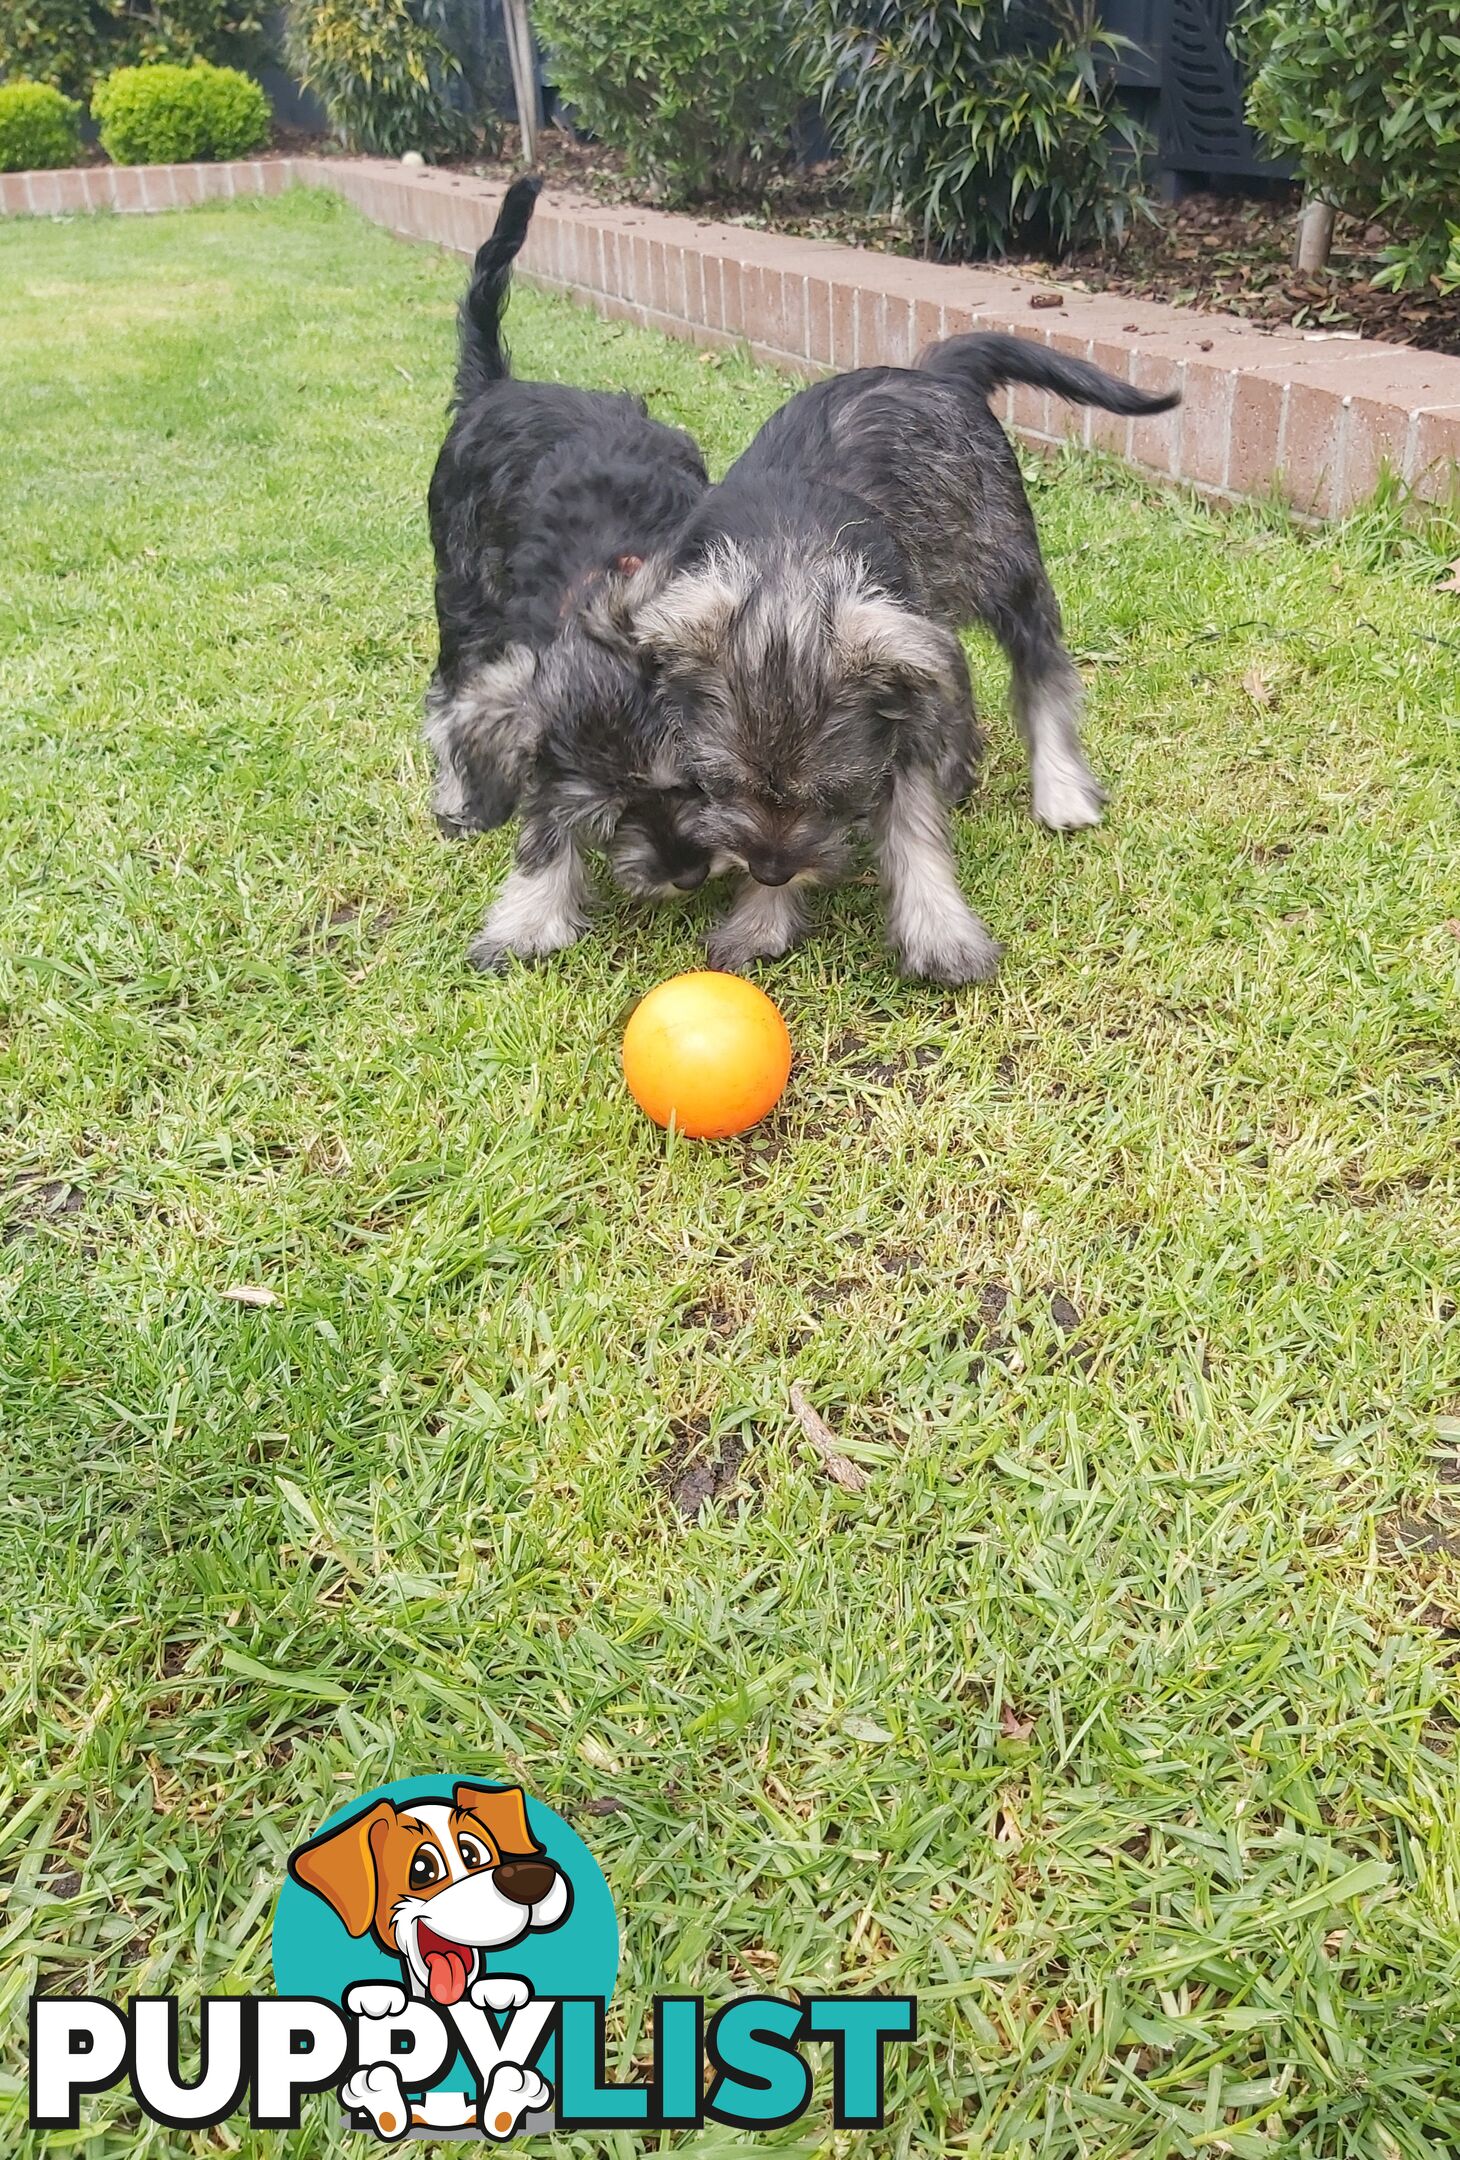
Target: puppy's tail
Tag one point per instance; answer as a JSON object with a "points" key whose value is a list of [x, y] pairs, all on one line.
{"points": [[983, 361], [483, 355]]}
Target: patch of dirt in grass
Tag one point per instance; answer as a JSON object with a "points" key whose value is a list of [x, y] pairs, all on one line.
{"points": [[33, 1199], [993, 1327], [716, 1318], [1423, 1550], [1419, 1534], [762, 1146], [903, 1077], [822, 1294], [697, 1470], [347, 918], [1353, 1189]]}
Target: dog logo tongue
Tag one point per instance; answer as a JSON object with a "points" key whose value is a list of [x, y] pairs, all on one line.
{"points": [[448, 1967]]}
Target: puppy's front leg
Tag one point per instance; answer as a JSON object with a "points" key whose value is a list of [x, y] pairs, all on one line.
{"points": [[930, 926], [546, 902], [764, 922]]}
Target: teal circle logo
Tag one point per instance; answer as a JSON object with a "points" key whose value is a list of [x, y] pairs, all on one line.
{"points": [[446, 1890]]}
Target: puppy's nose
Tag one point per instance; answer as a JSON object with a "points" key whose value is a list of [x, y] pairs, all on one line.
{"points": [[771, 870], [526, 1882], [691, 878]]}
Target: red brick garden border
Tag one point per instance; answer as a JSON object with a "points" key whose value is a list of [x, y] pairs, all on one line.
{"points": [[1312, 418]]}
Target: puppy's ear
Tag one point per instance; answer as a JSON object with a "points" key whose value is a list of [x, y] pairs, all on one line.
{"points": [[689, 620], [875, 637], [341, 1868], [485, 735], [608, 613], [502, 1814]]}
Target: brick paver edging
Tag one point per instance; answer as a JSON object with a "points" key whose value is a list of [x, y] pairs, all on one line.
{"points": [[1315, 418]]}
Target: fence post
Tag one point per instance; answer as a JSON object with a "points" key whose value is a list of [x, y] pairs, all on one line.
{"points": [[524, 75], [1315, 236]]}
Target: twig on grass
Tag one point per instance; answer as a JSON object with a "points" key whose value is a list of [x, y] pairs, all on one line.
{"points": [[838, 1467]]}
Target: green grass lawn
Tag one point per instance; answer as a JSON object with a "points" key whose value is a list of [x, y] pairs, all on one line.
{"points": [[1116, 1717]]}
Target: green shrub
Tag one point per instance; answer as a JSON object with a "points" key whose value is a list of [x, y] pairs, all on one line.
{"points": [[73, 43], [167, 115], [38, 128], [692, 91], [991, 123], [382, 70], [1366, 95]]}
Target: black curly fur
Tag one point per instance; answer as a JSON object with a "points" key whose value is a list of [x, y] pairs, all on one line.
{"points": [[805, 629], [544, 496]]}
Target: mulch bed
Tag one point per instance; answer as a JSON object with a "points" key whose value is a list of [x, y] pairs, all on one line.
{"points": [[1223, 252]]}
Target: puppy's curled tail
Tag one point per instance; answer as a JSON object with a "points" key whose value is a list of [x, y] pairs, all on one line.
{"points": [[983, 361], [483, 355]]}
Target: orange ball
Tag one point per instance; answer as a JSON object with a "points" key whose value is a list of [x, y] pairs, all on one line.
{"points": [[708, 1050]]}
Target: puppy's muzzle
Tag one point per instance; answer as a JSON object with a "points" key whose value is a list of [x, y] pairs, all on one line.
{"points": [[692, 878], [525, 1882]]}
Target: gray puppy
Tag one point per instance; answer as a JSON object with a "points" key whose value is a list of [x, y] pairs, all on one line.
{"points": [[802, 630]]}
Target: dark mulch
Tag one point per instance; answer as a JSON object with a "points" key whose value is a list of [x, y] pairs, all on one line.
{"points": [[1223, 252], [1227, 252]]}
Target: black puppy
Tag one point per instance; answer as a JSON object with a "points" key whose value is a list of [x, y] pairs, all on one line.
{"points": [[544, 497], [804, 623]]}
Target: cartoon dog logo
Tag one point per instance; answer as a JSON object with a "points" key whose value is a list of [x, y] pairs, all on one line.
{"points": [[438, 1884]]}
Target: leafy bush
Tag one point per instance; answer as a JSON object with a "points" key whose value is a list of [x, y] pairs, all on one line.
{"points": [[1366, 95], [992, 123], [382, 70], [167, 115], [72, 43], [38, 128], [690, 90]]}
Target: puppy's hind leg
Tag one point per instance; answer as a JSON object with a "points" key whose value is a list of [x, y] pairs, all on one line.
{"points": [[1047, 700], [764, 921], [546, 903], [930, 926]]}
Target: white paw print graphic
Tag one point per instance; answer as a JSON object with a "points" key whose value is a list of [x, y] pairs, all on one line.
{"points": [[500, 1991], [511, 2093], [377, 2092]]}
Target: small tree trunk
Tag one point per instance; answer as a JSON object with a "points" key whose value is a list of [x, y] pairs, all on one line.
{"points": [[524, 75], [1315, 237]]}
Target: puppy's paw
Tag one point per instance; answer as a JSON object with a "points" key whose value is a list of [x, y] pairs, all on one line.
{"points": [[537, 912], [1066, 798], [499, 1991], [487, 955], [378, 2093], [490, 952], [764, 921], [733, 946], [732, 955], [375, 1999], [512, 2093], [958, 952]]}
